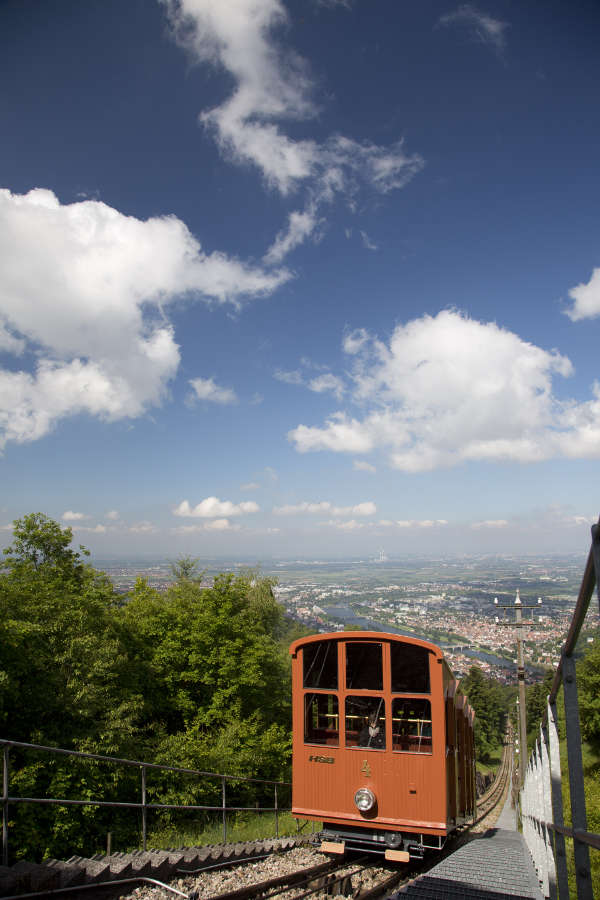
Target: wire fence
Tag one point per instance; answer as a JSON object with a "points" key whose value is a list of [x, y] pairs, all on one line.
{"points": [[541, 799], [280, 789]]}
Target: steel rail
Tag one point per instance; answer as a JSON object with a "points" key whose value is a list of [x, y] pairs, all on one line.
{"points": [[103, 885], [330, 883], [383, 887], [292, 878], [494, 794]]}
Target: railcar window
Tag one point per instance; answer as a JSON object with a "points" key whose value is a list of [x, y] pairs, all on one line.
{"points": [[321, 719], [410, 669], [364, 666], [411, 725], [321, 665], [365, 722]]}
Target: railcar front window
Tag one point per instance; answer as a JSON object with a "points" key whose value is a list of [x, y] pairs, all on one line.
{"points": [[365, 722], [321, 665], [364, 666], [411, 725], [410, 669], [321, 719]]}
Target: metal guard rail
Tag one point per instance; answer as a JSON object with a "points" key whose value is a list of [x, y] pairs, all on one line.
{"points": [[541, 801], [144, 806]]}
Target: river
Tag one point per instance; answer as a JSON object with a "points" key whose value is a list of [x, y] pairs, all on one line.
{"points": [[348, 616]]}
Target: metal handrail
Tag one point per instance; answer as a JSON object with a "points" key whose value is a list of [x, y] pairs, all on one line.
{"points": [[135, 762], [144, 806], [541, 801]]}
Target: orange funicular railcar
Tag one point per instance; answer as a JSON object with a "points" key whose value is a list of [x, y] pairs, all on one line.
{"points": [[383, 751]]}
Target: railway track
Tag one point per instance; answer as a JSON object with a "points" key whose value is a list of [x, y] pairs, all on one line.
{"points": [[489, 801], [270, 869], [359, 877]]}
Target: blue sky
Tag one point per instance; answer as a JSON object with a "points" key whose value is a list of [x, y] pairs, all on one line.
{"points": [[305, 278]]}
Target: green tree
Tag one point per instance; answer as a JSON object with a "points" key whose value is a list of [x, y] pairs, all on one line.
{"points": [[195, 676], [489, 701], [63, 666], [536, 702], [41, 542], [588, 683], [185, 568]]}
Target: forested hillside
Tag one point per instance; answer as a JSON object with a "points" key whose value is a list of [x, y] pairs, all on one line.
{"points": [[195, 677], [491, 701]]}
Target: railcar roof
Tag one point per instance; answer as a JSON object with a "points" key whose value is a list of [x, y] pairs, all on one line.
{"points": [[372, 635]]}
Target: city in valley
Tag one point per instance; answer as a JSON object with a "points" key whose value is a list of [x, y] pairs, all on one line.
{"points": [[448, 601]]}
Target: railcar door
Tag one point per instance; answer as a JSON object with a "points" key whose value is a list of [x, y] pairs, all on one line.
{"points": [[415, 765]]}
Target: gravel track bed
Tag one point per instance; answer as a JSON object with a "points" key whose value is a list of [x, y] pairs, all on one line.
{"points": [[211, 884]]}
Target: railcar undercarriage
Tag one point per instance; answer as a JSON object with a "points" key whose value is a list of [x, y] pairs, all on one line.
{"points": [[349, 837]]}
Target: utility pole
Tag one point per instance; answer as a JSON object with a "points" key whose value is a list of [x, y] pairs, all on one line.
{"points": [[519, 624]]}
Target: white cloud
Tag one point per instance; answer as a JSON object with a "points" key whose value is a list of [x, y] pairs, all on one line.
{"points": [[367, 242], [273, 85], [304, 507], [421, 523], [221, 525], [341, 434], [207, 389], [214, 525], [349, 525], [362, 466], [294, 377], [212, 507], [324, 506], [250, 486], [86, 288], [354, 341], [9, 343], [143, 527], [327, 383], [482, 27], [580, 520], [70, 516], [320, 384], [490, 523], [300, 226], [95, 529], [112, 515], [448, 389], [361, 509], [586, 299]]}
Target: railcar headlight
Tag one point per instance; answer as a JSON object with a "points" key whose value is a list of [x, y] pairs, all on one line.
{"points": [[364, 799]]}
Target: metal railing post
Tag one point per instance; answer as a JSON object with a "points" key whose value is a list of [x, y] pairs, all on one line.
{"points": [[558, 818], [223, 796], [144, 810], [5, 805], [576, 783], [276, 815], [596, 554]]}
